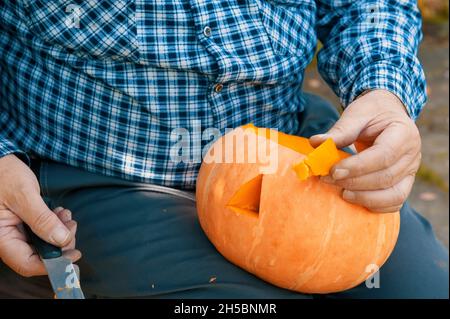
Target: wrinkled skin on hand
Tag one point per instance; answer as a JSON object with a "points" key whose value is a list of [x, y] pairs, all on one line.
{"points": [[20, 202], [381, 176]]}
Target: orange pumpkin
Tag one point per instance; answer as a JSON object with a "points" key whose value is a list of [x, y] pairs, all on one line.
{"points": [[286, 226]]}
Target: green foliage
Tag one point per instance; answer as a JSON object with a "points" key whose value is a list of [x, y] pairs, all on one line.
{"points": [[428, 175]]}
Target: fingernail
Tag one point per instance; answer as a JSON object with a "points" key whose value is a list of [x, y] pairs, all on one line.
{"points": [[320, 136], [340, 173], [73, 255], [78, 255], [60, 235], [68, 214], [58, 209], [348, 195]]}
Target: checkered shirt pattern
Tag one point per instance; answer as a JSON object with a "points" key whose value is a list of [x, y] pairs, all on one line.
{"points": [[102, 84]]}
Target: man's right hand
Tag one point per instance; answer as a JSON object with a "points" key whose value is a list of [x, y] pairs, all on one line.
{"points": [[21, 202]]}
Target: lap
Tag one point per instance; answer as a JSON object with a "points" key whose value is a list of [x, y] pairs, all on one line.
{"points": [[138, 241]]}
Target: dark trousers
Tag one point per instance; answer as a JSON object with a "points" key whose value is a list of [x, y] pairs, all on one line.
{"points": [[142, 240]]}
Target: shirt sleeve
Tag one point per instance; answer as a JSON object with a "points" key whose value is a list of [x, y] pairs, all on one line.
{"points": [[7, 147], [372, 44]]}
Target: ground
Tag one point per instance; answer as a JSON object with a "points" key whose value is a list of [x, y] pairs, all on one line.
{"points": [[430, 193]]}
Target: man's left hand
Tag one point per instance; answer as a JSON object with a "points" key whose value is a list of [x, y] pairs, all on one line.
{"points": [[381, 176]]}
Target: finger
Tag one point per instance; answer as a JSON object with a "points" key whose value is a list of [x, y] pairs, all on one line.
{"points": [[345, 131], [20, 257], [381, 179], [58, 209], [22, 235], [387, 210], [8, 218], [381, 199], [72, 226], [30, 207], [388, 148], [70, 246], [64, 215], [74, 255]]}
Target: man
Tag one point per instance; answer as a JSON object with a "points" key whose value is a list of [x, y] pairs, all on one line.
{"points": [[91, 92]]}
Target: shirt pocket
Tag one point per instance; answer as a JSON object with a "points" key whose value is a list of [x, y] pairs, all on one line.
{"points": [[96, 28], [289, 25]]}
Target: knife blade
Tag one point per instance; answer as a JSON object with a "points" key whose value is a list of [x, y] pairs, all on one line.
{"points": [[63, 274]]}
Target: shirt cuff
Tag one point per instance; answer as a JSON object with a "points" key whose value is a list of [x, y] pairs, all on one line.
{"points": [[7, 147], [388, 77]]}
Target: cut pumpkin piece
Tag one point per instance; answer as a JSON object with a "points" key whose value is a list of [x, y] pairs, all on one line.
{"points": [[302, 170], [247, 198], [323, 158], [319, 161]]}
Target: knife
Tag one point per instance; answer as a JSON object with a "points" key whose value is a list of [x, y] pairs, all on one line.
{"points": [[63, 274]]}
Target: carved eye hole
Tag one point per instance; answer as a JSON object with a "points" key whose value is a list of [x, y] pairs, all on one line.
{"points": [[247, 198]]}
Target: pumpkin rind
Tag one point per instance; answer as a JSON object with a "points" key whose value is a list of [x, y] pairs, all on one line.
{"points": [[302, 236]]}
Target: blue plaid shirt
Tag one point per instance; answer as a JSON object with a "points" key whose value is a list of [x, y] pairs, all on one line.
{"points": [[101, 84]]}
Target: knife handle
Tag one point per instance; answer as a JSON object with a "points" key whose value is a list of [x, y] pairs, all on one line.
{"points": [[44, 249]]}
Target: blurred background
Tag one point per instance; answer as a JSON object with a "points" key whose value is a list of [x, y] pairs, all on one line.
{"points": [[430, 195]]}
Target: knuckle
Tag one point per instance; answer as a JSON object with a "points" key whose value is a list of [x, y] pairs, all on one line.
{"points": [[415, 131], [413, 171], [388, 179], [355, 163], [368, 202], [349, 183], [418, 140], [388, 155], [419, 159], [385, 160], [17, 195], [415, 166], [414, 136], [5, 233], [399, 195], [338, 129], [42, 220], [359, 166]]}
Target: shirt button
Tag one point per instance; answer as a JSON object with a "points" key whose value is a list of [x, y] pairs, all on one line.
{"points": [[207, 31], [218, 87]]}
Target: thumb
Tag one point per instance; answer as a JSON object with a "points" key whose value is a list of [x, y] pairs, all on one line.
{"points": [[42, 221], [344, 132]]}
